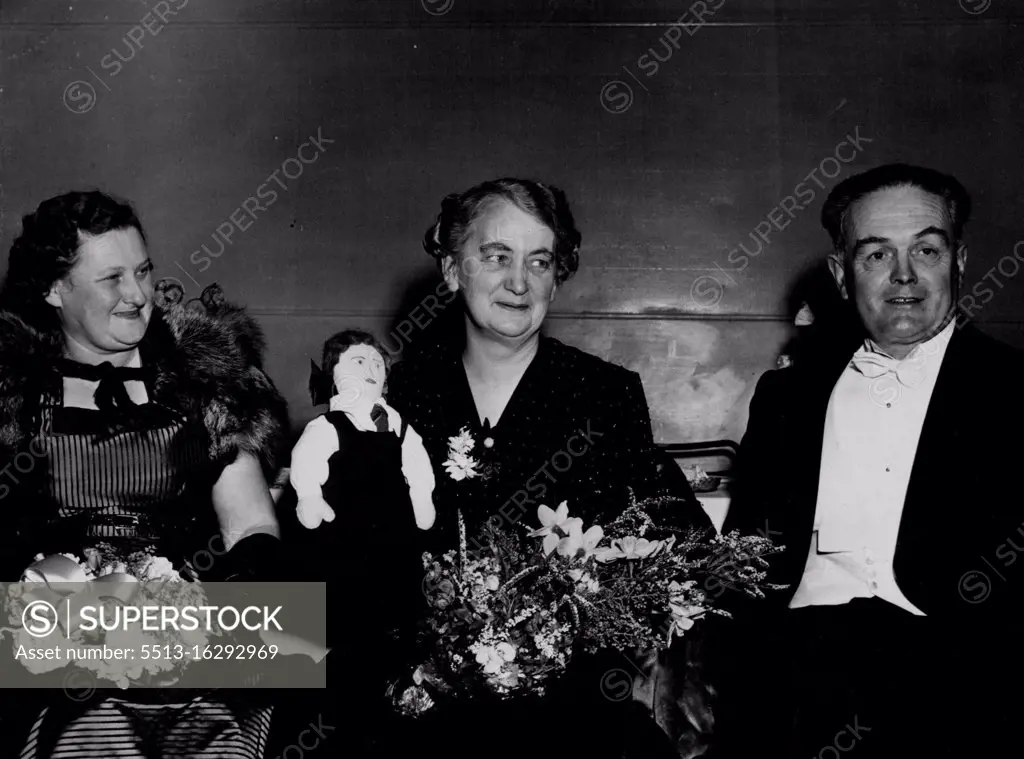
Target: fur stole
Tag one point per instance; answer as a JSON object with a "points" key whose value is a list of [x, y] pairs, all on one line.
{"points": [[207, 368]]}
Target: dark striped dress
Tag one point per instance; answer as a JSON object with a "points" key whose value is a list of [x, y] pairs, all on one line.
{"points": [[133, 480]]}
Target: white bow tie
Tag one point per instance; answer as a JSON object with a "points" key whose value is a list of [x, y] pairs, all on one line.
{"points": [[910, 372]]}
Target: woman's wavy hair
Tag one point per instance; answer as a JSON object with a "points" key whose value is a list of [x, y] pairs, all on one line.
{"points": [[448, 234], [48, 248]]}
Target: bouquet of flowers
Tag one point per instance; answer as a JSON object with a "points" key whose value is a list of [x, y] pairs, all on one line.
{"points": [[107, 578], [506, 618]]}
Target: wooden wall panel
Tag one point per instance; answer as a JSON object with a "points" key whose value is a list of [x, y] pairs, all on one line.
{"points": [[731, 122], [506, 12], [698, 376]]}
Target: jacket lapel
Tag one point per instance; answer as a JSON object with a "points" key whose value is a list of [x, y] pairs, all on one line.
{"points": [[804, 436], [931, 492]]}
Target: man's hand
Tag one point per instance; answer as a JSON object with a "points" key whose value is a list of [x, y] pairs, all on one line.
{"points": [[312, 511]]}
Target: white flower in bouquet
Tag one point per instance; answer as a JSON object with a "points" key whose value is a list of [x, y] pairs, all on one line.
{"points": [[508, 678], [683, 617], [584, 580], [679, 590], [684, 603], [491, 660], [492, 654], [553, 642], [575, 542], [93, 559], [555, 520], [89, 569], [631, 549], [546, 644], [158, 569], [415, 701], [120, 568]]}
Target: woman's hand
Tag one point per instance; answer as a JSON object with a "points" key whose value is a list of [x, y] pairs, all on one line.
{"points": [[312, 510]]}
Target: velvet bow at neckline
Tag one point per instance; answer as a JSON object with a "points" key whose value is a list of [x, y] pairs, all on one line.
{"points": [[110, 394]]}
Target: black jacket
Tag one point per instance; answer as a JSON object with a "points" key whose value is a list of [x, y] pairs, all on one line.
{"points": [[956, 554]]}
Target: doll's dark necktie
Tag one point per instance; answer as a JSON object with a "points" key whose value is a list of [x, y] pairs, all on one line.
{"points": [[110, 393], [380, 418]]}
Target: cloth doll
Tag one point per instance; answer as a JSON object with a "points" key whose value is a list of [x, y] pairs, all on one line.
{"points": [[365, 486], [360, 451]]}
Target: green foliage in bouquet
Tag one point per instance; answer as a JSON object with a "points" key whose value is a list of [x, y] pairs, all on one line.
{"points": [[506, 619]]}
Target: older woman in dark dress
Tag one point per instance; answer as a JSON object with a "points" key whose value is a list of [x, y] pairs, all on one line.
{"points": [[550, 423]]}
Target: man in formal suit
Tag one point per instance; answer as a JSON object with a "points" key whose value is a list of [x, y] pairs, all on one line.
{"points": [[885, 468]]}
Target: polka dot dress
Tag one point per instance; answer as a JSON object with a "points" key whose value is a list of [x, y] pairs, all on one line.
{"points": [[576, 429]]}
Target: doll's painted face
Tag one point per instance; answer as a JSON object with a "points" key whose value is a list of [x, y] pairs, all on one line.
{"points": [[359, 377]]}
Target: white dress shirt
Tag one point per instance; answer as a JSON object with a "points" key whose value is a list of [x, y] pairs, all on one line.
{"points": [[872, 427], [319, 441]]}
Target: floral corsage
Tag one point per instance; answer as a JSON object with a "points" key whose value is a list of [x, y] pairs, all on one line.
{"points": [[460, 464]]}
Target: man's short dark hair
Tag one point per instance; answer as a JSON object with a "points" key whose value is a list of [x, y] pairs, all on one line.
{"points": [[849, 191]]}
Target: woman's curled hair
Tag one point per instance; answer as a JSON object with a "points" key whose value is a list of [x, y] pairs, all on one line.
{"points": [[547, 203], [48, 248]]}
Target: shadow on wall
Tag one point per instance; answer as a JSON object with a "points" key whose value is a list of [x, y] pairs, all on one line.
{"points": [[697, 374], [427, 314], [818, 314]]}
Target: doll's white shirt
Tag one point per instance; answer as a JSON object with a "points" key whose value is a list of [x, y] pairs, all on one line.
{"points": [[319, 441]]}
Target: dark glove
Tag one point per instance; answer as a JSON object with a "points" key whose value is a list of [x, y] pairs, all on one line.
{"points": [[254, 558], [262, 558]]}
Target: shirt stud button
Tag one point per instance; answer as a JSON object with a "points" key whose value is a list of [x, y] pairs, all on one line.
{"points": [[488, 442]]}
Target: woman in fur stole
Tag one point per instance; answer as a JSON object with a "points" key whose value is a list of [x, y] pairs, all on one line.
{"points": [[147, 428]]}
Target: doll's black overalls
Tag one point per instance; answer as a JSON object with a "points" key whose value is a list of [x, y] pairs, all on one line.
{"points": [[371, 555]]}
